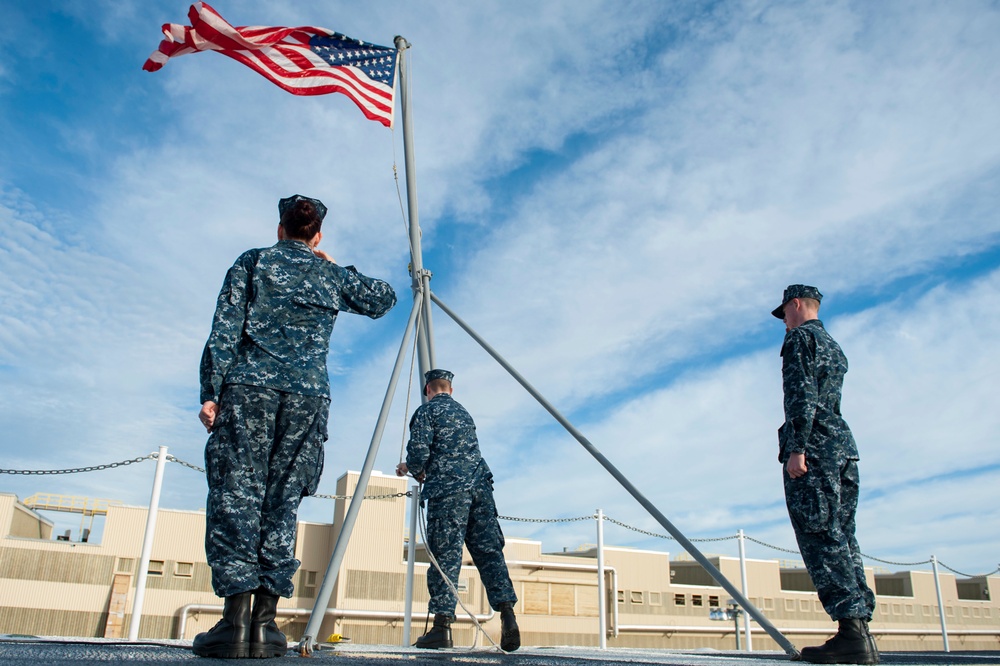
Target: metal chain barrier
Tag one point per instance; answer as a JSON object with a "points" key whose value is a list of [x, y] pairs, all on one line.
{"points": [[663, 536], [767, 545], [898, 564], [77, 470], [367, 497], [546, 520], [959, 573], [174, 459]]}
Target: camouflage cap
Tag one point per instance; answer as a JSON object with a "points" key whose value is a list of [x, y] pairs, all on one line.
{"points": [[795, 291], [431, 375], [287, 202]]}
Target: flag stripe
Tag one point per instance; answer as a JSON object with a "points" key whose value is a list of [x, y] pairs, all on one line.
{"points": [[315, 84], [350, 75], [291, 58]]}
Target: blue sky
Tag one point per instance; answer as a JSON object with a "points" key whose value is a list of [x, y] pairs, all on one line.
{"points": [[613, 194]]}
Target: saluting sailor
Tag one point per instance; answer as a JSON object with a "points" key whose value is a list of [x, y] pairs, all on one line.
{"points": [[265, 395]]}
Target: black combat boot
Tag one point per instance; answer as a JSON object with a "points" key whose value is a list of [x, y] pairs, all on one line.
{"points": [[871, 642], [266, 640], [849, 646], [510, 635], [230, 637], [439, 636]]}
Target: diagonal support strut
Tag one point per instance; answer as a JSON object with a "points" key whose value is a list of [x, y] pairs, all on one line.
{"points": [[752, 610]]}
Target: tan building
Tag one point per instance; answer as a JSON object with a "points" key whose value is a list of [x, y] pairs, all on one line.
{"points": [[66, 588]]}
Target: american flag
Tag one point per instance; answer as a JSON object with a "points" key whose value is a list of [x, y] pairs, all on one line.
{"points": [[303, 61]]}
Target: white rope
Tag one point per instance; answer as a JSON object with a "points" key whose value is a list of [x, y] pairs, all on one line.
{"points": [[409, 388]]}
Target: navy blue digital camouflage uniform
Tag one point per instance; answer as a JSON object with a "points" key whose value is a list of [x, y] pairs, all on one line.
{"points": [[265, 366], [458, 489], [822, 502]]}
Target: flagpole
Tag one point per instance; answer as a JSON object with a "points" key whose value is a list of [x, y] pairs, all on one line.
{"points": [[421, 278]]}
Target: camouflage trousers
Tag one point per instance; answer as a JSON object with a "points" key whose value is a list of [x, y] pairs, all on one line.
{"points": [[822, 505], [468, 517], [264, 455]]}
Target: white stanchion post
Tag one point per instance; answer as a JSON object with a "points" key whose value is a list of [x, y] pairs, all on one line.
{"points": [[743, 576], [602, 592], [147, 546], [411, 556], [940, 599]]}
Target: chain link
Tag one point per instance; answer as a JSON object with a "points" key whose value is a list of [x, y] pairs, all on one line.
{"points": [[663, 536], [546, 520], [767, 545], [174, 459], [77, 470], [997, 570], [368, 497], [898, 564]]}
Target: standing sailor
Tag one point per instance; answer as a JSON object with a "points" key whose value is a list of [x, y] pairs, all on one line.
{"points": [[443, 454], [820, 469]]}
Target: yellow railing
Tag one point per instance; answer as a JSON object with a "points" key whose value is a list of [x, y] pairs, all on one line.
{"points": [[88, 506]]}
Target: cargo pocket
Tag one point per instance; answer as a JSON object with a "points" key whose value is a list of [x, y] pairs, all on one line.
{"points": [[219, 463], [784, 434], [317, 441], [808, 506], [313, 484]]}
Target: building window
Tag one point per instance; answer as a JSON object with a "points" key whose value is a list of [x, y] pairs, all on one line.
{"points": [[768, 604], [696, 600], [155, 568], [713, 601], [655, 599], [183, 569], [621, 596], [790, 605], [124, 565], [308, 583], [680, 600], [636, 597]]}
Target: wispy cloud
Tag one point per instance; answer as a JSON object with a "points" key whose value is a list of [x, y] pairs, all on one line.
{"points": [[614, 197]]}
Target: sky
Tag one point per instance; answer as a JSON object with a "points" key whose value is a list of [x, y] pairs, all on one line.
{"points": [[612, 194]]}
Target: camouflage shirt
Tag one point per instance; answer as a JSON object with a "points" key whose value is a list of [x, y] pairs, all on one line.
{"points": [[812, 373], [274, 317], [443, 445]]}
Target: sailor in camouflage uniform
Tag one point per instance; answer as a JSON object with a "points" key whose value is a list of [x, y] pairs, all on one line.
{"points": [[820, 462], [265, 396], [443, 454]]}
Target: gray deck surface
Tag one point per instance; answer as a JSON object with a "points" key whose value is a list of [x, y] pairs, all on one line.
{"points": [[82, 652]]}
